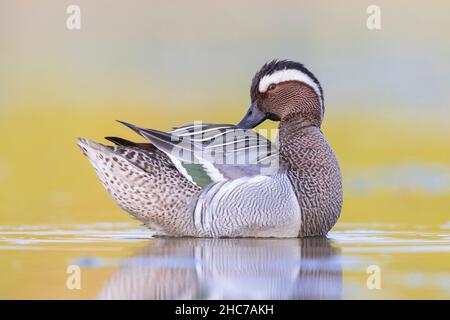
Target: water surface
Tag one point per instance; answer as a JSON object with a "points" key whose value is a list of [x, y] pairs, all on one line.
{"points": [[123, 260]]}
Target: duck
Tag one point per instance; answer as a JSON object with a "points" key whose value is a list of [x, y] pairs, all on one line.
{"points": [[229, 181]]}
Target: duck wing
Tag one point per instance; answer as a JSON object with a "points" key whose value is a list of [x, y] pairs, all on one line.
{"points": [[127, 143], [209, 153]]}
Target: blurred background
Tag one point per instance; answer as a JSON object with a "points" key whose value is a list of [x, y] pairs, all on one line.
{"points": [[166, 63]]}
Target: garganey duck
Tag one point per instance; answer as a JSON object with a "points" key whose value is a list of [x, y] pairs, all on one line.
{"points": [[213, 180]]}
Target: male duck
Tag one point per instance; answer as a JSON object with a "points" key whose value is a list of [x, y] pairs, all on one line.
{"points": [[206, 180]]}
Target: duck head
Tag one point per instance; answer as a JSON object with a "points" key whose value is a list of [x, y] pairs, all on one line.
{"points": [[282, 90]]}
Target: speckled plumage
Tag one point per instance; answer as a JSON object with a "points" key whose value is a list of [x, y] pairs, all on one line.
{"points": [[315, 175], [146, 184], [302, 198]]}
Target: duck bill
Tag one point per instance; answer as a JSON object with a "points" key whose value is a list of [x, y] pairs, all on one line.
{"points": [[253, 117]]}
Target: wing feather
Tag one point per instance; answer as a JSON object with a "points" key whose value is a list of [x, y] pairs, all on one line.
{"points": [[223, 151]]}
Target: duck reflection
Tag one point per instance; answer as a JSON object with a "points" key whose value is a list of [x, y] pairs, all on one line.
{"points": [[171, 268]]}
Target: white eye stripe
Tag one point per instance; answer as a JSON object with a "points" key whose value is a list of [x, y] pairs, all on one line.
{"points": [[288, 75]]}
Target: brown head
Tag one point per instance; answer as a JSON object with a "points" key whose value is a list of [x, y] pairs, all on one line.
{"points": [[284, 90]]}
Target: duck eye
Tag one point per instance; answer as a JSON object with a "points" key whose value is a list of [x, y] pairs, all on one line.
{"points": [[272, 86]]}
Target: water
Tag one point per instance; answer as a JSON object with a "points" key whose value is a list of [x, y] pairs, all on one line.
{"points": [[123, 260]]}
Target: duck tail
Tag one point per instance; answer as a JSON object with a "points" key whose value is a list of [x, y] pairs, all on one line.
{"points": [[144, 182]]}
